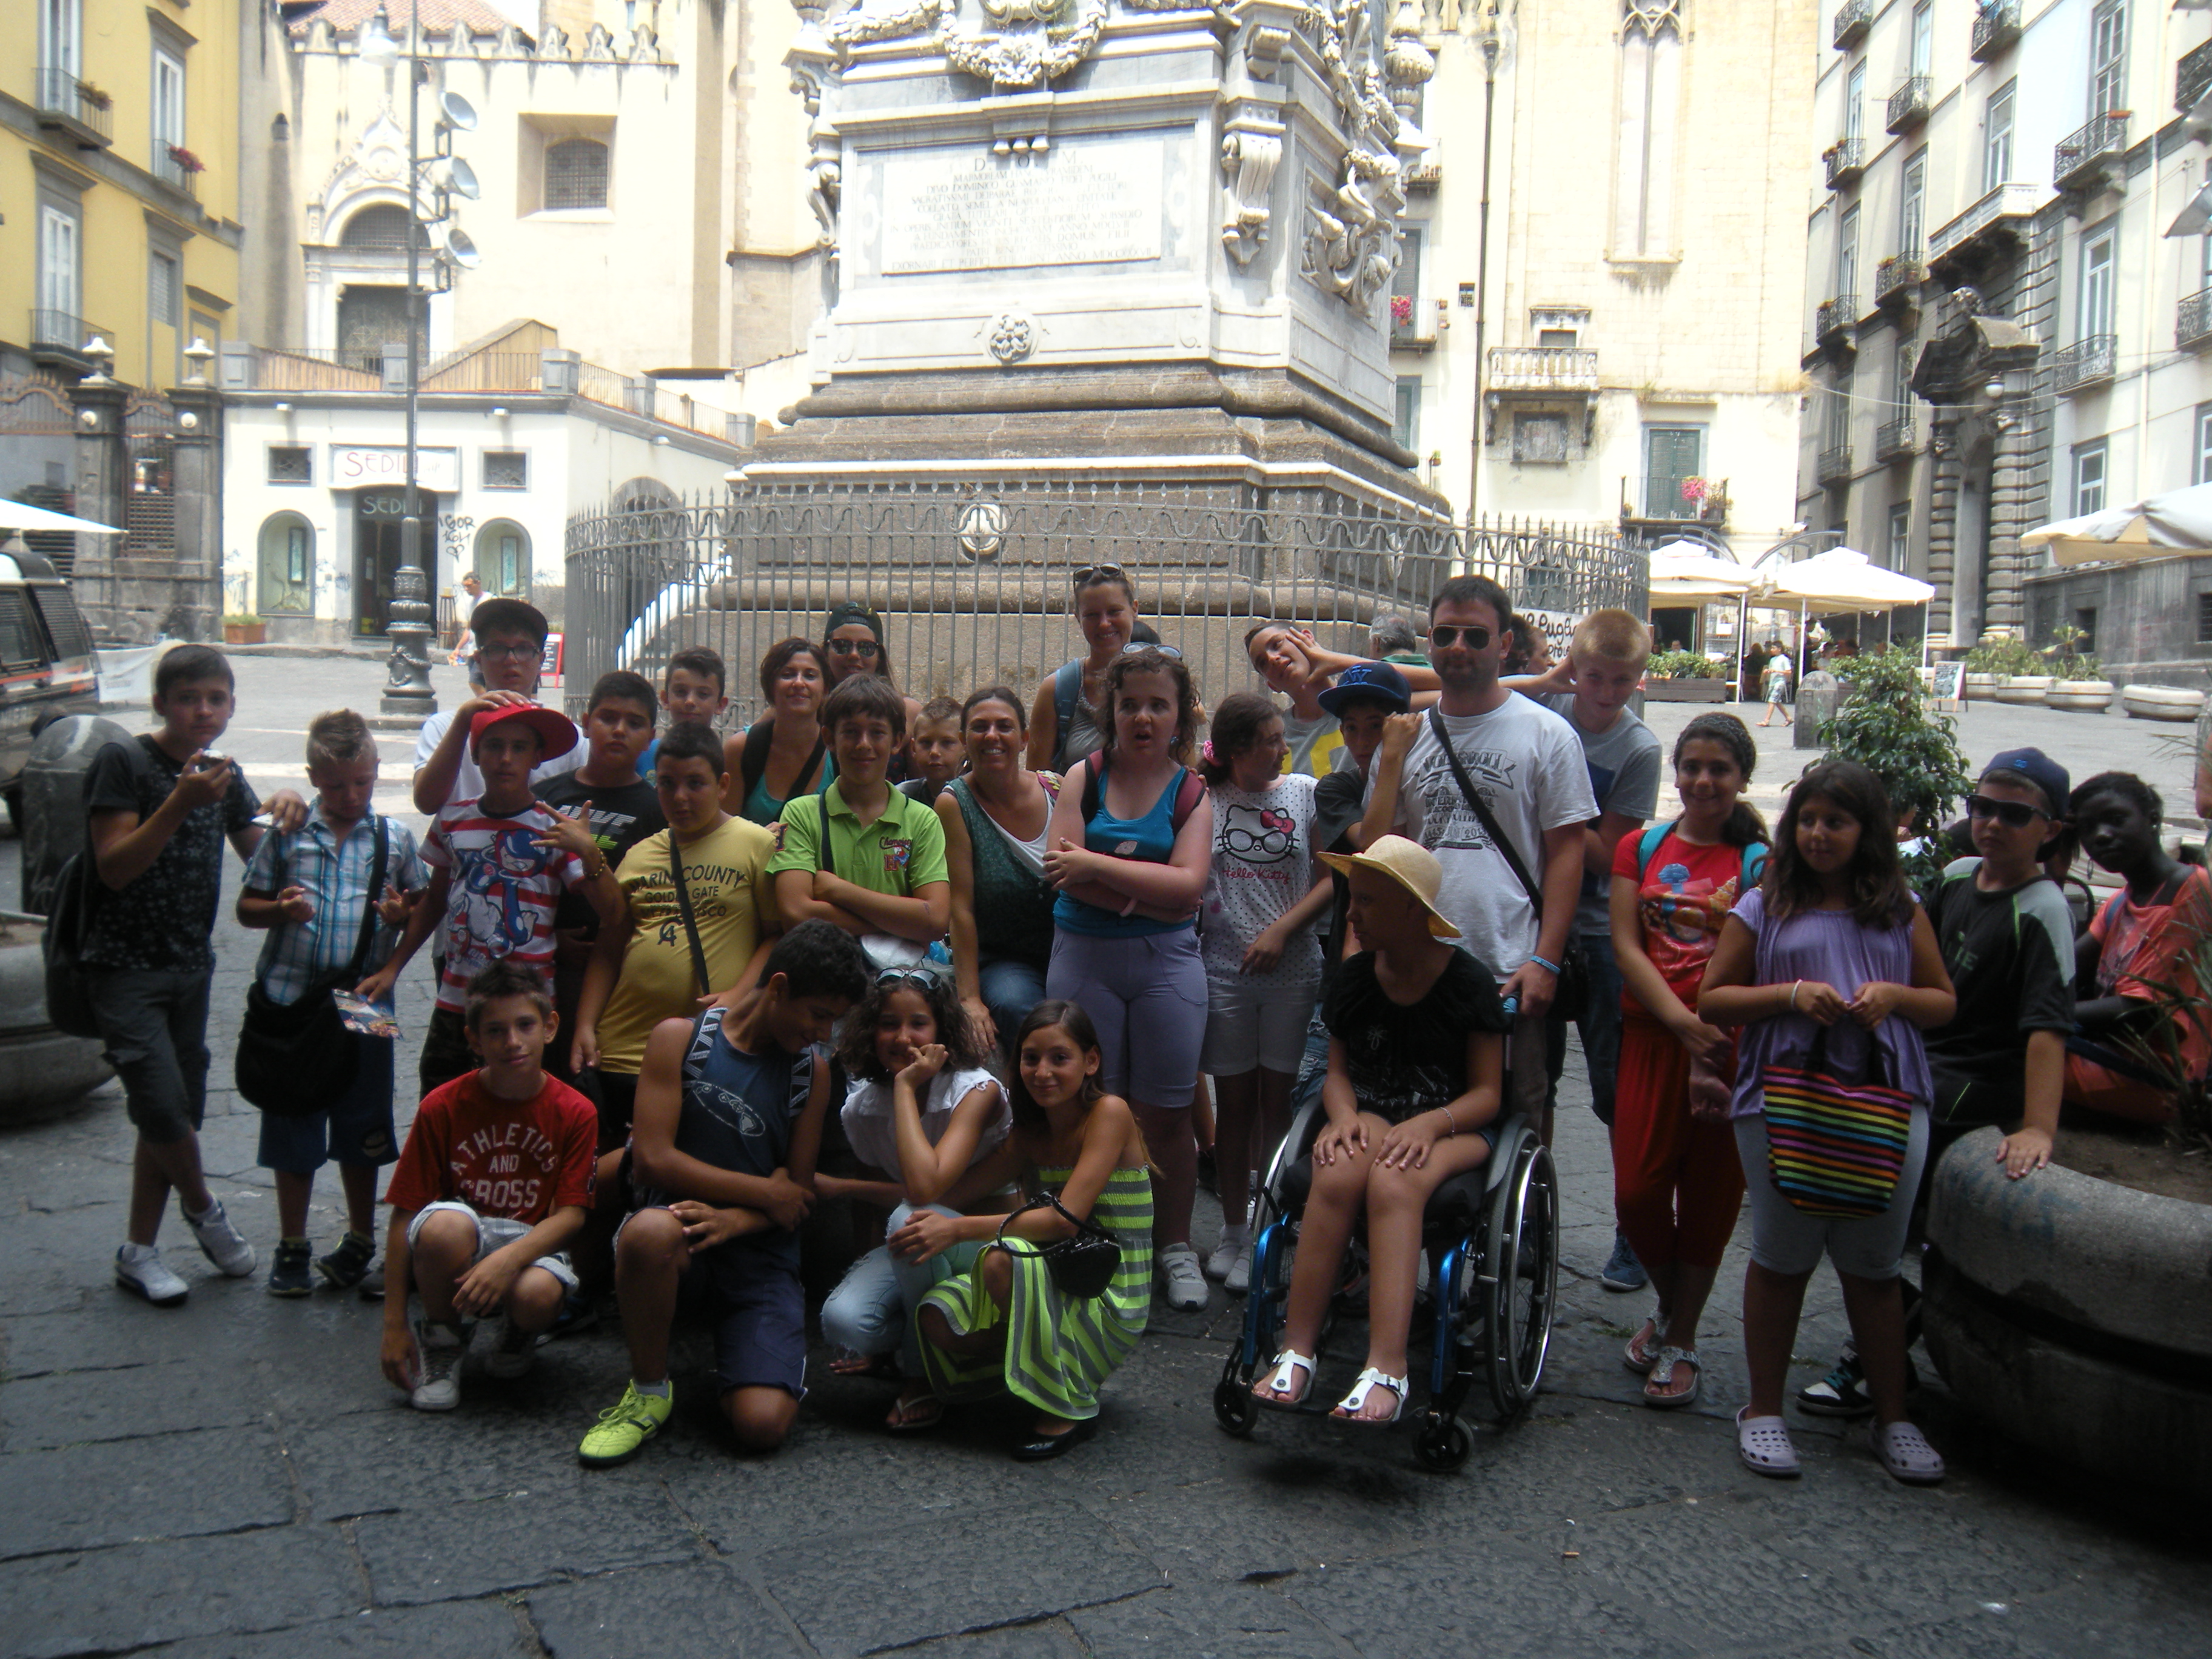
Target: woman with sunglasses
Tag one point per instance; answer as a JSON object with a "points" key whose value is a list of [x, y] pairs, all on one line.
{"points": [[1129, 850], [853, 643], [1063, 723], [784, 753], [995, 817]]}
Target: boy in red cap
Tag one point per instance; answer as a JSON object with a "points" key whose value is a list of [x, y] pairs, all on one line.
{"points": [[498, 866]]}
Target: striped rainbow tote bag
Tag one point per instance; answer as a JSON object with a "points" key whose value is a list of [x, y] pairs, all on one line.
{"points": [[1835, 1148]]}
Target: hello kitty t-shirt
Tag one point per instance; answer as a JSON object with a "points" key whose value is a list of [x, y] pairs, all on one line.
{"points": [[1263, 865], [1683, 895]]}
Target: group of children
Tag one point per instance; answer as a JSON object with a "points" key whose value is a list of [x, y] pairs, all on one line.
{"points": [[625, 1080]]}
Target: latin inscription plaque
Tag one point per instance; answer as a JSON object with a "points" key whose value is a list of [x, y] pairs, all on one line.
{"points": [[1086, 201]]}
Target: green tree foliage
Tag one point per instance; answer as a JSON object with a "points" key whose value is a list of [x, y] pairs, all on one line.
{"points": [[1885, 725]]}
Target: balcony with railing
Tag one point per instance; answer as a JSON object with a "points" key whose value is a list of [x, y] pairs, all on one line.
{"points": [[1895, 440], [1993, 221], [1908, 104], [59, 338], [1846, 159], [2192, 77], [1542, 369], [1853, 19], [179, 168], [2078, 161], [1997, 30], [1834, 465], [1833, 320], [77, 107], [1897, 277], [2090, 361], [2192, 321]]}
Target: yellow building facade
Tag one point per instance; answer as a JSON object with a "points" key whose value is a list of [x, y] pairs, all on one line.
{"points": [[118, 182]]}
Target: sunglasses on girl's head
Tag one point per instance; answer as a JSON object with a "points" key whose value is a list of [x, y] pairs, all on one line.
{"points": [[2013, 814], [921, 976], [1164, 650], [1447, 635], [1084, 574]]}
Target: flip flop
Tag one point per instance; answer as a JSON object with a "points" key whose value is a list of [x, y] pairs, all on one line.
{"points": [[1763, 1444], [1281, 1379], [1662, 1374], [903, 1420], [1906, 1453], [1642, 1351], [1348, 1408]]}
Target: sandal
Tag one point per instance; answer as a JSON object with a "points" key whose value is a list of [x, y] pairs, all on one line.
{"points": [[1280, 1383], [1763, 1444], [912, 1414], [1348, 1409], [1643, 1350], [1906, 1453], [1656, 1391]]}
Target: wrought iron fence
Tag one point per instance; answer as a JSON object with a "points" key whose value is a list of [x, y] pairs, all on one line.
{"points": [[972, 579]]}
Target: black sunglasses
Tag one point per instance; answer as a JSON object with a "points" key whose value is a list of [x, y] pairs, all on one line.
{"points": [[2013, 814], [1447, 635], [855, 648]]}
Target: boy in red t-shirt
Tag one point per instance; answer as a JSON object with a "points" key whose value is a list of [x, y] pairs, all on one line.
{"points": [[495, 1180]]}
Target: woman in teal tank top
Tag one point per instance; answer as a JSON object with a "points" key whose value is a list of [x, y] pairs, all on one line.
{"points": [[1128, 853]]}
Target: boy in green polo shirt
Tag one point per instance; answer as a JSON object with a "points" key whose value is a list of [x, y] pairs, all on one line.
{"points": [[876, 868]]}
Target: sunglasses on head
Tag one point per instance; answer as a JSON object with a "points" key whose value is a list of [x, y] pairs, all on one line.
{"points": [[2013, 814], [1083, 574], [1448, 636], [921, 976], [1164, 650]]}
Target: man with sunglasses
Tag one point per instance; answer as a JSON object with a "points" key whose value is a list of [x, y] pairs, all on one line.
{"points": [[510, 649], [2007, 941], [1525, 764]]}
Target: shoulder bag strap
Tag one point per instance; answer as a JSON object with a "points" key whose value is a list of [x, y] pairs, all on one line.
{"points": [[752, 764], [824, 859], [684, 909], [1490, 825], [1648, 846], [376, 874], [1066, 689]]}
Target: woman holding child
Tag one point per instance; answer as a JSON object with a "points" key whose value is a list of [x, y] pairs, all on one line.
{"points": [[995, 820]]}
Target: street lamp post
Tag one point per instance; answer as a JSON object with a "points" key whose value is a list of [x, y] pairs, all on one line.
{"points": [[407, 689]]}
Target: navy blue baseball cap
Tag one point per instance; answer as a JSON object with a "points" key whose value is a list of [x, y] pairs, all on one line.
{"points": [[2037, 769], [1374, 681]]}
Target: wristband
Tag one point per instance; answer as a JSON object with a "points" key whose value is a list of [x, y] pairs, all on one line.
{"points": [[1793, 995], [1545, 964]]}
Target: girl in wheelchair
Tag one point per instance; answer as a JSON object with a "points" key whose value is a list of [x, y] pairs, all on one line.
{"points": [[1416, 1054]]}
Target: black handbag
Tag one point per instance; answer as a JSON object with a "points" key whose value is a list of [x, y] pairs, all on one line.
{"points": [[1573, 992], [297, 1059], [1083, 1265]]}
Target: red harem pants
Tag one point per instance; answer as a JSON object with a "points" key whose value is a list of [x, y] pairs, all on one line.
{"points": [[1677, 1181]]}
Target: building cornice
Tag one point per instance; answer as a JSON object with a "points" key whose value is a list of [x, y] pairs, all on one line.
{"points": [[105, 166]]}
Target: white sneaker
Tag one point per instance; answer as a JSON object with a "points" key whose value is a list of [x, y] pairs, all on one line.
{"points": [[1239, 1279], [438, 1352], [222, 1243], [1186, 1285], [140, 1270], [1217, 1265]]}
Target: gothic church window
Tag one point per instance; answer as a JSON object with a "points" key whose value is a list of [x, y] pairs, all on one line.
{"points": [[1650, 98]]}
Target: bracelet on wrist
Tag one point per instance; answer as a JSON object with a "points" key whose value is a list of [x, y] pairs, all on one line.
{"points": [[1451, 1117], [1545, 964]]}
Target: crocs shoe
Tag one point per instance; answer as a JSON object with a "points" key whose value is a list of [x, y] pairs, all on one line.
{"points": [[1905, 1452], [1762, 1444]]}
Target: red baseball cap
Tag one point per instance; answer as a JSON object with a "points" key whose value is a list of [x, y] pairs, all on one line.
{"points": [[556, 733]]}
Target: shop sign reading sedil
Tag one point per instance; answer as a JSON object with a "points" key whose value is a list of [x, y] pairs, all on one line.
{"points": [[360, 466]]}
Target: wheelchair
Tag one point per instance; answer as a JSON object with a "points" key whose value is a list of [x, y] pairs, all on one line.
{"points": [[1491, 1235]]}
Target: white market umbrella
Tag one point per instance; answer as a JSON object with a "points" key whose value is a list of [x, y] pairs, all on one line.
{"points": [[1845, 579], [2158, 527], [21, 515], [1690, 573]]}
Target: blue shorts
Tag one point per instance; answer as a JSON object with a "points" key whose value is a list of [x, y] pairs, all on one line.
{"points": [[759, 1314], [356, 1128]]}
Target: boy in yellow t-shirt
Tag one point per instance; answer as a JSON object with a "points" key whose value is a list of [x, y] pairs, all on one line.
{"points": [[646, 971]]}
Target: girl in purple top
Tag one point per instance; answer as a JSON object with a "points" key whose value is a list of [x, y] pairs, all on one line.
{"points": [[1831, 941]]}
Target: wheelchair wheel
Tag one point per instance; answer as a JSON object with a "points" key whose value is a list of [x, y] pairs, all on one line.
{"points": [[1234, 1408], [1443, 1444], [1525, 1255]]}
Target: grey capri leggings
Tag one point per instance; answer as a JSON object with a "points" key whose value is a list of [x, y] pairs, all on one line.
{"points": [[1146, 995], [1785, 1240]]}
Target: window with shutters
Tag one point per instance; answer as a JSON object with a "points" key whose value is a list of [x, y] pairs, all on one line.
{"points": [[1671, 453], [2108, 57], [1997, 138]]}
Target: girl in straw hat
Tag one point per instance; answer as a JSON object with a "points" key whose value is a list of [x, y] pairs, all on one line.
{"points": [[1416, 1052]]}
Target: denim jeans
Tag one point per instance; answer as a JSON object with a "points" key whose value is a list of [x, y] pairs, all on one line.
{"points": [[1010, 989], [1598, 1021], [872, 1310]]}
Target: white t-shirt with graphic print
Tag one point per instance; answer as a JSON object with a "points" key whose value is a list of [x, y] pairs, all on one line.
{"points": [[1263, 865]]}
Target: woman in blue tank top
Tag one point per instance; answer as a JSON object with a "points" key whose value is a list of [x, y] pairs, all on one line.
{"points": [[1128, 851]]}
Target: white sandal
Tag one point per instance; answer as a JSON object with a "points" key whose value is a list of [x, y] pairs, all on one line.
{"points": [[1352, 1404], [1280, 1381]]}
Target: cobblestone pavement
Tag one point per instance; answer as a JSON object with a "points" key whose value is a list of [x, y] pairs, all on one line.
{"points": [[233, 1478]]}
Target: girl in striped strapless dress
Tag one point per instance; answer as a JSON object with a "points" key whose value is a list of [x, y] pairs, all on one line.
{"points": [[1003, 1326]]}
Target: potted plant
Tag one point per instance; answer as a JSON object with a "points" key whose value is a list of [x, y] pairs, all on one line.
{"points": [[1686, 677], [1885, 724], [2160, 703], [94, 96], [184, 161], [2077, 684], [1708, 498], [1990, 663], [244, 630]]}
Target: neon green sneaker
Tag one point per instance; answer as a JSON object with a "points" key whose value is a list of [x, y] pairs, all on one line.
{"points": [[623, 1430]]}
